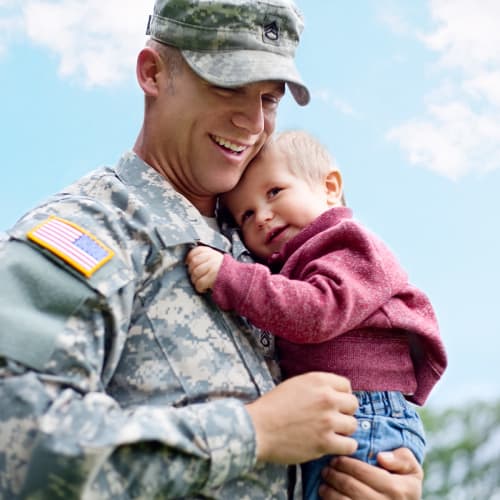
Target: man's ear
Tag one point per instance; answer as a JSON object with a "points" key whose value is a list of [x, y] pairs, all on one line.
{"points": [[149, 67], [334, 188]]}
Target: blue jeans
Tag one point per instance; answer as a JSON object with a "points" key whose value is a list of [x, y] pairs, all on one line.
{"points": [[386, 421]]}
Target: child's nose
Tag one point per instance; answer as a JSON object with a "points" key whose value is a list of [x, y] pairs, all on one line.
{"points": [[263, 216]]}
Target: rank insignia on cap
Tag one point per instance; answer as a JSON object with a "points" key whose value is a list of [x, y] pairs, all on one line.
{"points": [[271, 31], [71, 243]]}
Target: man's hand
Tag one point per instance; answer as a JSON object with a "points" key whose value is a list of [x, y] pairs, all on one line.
{"points": [[305, 417], [203, 266], [399, 477]]}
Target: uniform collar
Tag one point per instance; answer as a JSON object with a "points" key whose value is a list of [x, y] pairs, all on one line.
{"points": [[169, 207]]}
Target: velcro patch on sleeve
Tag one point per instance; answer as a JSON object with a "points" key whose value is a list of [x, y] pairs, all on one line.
{"points": [[73, 244]]}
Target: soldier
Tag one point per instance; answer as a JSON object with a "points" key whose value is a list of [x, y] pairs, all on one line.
{"points": [[117, 380]]}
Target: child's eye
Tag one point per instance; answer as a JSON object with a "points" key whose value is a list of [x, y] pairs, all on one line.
{"points": [[246, 215], [273, 192]]}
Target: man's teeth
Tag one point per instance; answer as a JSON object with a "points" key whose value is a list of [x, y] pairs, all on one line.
{"points": [[229, 145]]}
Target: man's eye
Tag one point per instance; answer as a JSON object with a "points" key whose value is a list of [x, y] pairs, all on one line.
{"points": [[270, 101], [224, 91]]}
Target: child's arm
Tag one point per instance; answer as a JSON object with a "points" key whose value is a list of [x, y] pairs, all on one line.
{"points": [[203, 266]]}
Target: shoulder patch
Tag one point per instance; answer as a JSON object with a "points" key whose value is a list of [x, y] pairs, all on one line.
{"points": [[73, 244]]}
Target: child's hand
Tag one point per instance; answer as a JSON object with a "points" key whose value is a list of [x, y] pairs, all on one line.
{"points": [[203, 266]]}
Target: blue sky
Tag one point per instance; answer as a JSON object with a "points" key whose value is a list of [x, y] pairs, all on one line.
{"points": [[406, 95]]}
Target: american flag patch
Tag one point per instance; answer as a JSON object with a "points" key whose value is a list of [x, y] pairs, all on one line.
{"points": [[71, 243]]}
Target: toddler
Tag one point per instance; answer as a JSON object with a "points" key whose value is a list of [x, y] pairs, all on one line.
{"points": [[331, 292]]}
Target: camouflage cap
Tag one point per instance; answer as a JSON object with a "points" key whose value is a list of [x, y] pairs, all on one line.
{"points": [[234, 42]]}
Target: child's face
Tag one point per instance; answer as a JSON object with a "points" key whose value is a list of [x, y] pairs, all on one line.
{"points": [[271, 205]]}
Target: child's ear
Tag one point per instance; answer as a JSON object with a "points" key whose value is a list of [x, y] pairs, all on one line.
{"points": [[333, 186]]}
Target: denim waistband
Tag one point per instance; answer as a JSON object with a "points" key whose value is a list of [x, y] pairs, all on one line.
{"points": [[390, 403]]}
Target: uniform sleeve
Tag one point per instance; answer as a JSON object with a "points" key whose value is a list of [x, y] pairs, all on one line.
{"points": [[331, 289], [61, 435]]}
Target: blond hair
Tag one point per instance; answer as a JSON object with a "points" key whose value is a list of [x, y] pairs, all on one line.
{"points": [[308, 159]]}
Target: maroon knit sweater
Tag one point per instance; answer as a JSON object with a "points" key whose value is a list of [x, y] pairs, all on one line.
{"points": [[341, 304]]}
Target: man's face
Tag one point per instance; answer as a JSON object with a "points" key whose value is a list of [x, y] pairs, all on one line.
{"points": [[271, 205], [209, 133]]}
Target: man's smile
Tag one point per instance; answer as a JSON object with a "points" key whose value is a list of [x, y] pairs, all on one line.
{"points": [[227, 144]]}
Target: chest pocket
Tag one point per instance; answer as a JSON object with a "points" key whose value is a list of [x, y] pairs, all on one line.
{"points": [[181, 349]]}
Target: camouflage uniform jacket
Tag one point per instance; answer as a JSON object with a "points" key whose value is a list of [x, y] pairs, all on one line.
{"points": [[125, 383]]}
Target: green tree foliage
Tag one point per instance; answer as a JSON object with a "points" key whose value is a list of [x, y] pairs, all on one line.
{"points": [[463, 458]]}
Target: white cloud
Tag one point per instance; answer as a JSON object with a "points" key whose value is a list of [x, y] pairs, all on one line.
{"points": [[96, 41], [342, 106], [323, 95], [452, 140], [394, 22], [460, 130], [485, 84], [10, 24], [467, 35], [8, 27]]}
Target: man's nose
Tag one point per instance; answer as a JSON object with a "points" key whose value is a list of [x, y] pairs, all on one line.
{"points": [[250, 116]]}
